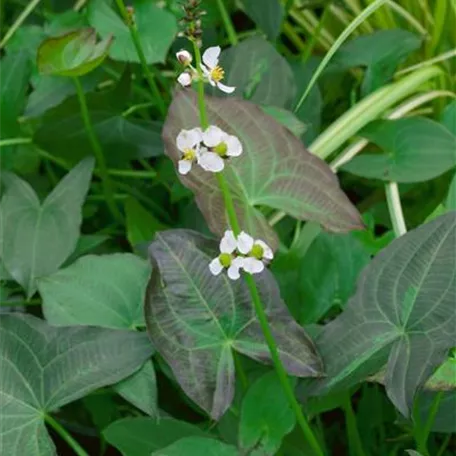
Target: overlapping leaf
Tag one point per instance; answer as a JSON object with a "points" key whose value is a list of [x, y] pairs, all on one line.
{"points": [[402, 314], [42, 368], [197, 445], [196, 320], [38, 238], [267, 14], [274, 170]]}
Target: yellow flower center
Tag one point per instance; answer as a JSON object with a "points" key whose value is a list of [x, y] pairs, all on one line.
{"points": [[221, 149], [217, 73], [257, 251], [225, 260], [189, 154]]}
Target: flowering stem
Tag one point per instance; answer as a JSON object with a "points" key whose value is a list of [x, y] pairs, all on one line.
{"points": [[130, 22], [259, 309]]}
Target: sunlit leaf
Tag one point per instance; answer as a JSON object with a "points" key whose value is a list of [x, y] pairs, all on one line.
{"points": [[38, 237], [197, 445], [196, 320], [402, 315], [42, 368], [73, 54], [274, 170], [267, 14], [414, 150]]}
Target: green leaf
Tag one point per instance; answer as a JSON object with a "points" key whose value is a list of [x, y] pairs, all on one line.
{"points": [[259, 73], [196, 320], [73, 54], [402, 315], [141, 436], [287, 119], [197, 445], [413, 453], [380, 52], [38, 238], [43, 368], [267, 15], [274, 170], [445, 420], [451, 198], [415, 150], [448, 118], [156, 29], [266, 416]]}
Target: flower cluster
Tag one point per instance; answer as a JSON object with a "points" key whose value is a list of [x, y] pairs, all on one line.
{"points": [[212, 71], [209, 148], [241, 253]]}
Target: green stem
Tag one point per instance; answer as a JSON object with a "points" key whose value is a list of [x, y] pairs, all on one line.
{"points": [[444, 445], [227, 22], [130, 22], [98, 152], [14, 141], [395, 208], [424, 434], [234, 223], [65, 436], [240, 370], [315, 36], [354, 439]]}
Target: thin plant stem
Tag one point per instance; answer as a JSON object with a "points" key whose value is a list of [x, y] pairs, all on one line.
{"points": [[425, 432], [313, 40], [240, 370], [395, 208], [79, 5], [54, 424], [14, 141], [19, 21], [354, 438], [230, 31], [130, 22], [98, 152], [234, 223], [439, 58], [444, 445]]}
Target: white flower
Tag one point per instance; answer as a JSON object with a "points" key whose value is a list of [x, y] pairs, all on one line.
{"points": [[188, 142], [226, 260], [257, 253], [213, 71], [185, 79], [210, 161], [184, 57], [222, 143]]}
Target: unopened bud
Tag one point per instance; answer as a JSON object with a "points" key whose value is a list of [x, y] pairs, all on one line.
{"points": [[184, 57], [184, 79]]}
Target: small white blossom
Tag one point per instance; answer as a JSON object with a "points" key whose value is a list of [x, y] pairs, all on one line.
{"points": [[222, 143], [257, 253], [213, 71], [185, 79], [226, 259], [188, 142], [210, 161], [184, 57]]}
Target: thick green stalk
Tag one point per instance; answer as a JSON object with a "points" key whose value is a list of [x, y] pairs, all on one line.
{"points": [[395, 209], [232, 217], [227, 22], [98, 152], [65, 436], [130, 22]]}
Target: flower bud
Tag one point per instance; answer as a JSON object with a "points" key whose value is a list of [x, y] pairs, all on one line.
{"points": [[184, 57], [184, 79]]}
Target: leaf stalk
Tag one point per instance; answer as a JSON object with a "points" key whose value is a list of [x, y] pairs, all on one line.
{"points": [[54, 424]]}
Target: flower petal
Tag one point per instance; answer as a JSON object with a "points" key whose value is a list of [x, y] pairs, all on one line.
{"points": [[211, 56], [252, 265], [244, 243], [213, 136], [184, 79], [210, 161], [215, 266], [267, 251], [225, 88], [228, 243], [184, 166], [184, 57], [234, 146], [188, 139]]}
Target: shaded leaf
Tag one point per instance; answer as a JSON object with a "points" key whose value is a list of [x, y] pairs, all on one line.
{"points": [[415, 149], [450, 203], [72, 54], [402, 315], [141, 436], [445, 419], [287, 119], [448, 118], [38, 238], [266, 416], [267, 15], [274, 170], [197, 445], [42, 368], [195, 320], [156, 29]]}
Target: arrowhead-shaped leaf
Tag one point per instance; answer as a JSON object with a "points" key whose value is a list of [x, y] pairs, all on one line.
{"points": [[402, 315], [38, 238], [42, 368], [274, 170], [73, 54], [196, 320]]}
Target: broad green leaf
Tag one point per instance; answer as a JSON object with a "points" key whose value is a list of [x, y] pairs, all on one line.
{"points": [[141, 436], [43, 368], [197, 445], [86, 244], [266, 416], [287, 119], [448, 118], [274, 170], [156, 27], [414, 150], [73, 54], [451, 198], [380, 52], [196, 320], [267, 15], [445, 377], [402, 315], [259, 73], [39, 237]]}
